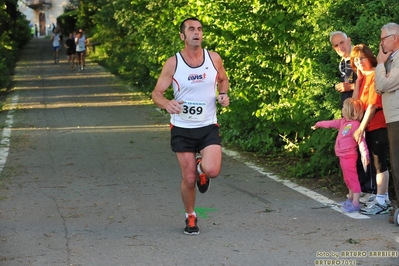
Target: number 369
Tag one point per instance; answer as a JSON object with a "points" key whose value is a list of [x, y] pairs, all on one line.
{"points": [[193, 110]]}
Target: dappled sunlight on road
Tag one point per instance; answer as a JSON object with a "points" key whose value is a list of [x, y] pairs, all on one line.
{"points": [[65, 88], [85, 129]]}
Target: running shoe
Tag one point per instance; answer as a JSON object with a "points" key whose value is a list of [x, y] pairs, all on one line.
{"points": [[351, 208], [375, 208], [191, 225], [367, 198], [203, 182]]}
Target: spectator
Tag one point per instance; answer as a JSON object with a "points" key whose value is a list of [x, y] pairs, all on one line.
{"points": [[387, 84], [373, 126]]}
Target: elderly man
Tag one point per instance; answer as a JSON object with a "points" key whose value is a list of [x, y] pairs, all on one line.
{"points": [[341, 43], [387, 84]]}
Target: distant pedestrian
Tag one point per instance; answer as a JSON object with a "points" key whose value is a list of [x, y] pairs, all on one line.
{"points": [[36, 31], [56, 40], [80, 41], [71, 50]]}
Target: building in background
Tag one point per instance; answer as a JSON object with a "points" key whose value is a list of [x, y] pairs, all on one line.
{"points": [[43, 13]]}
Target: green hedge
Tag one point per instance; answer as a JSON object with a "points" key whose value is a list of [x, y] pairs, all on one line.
{"points": [[14, 34]]}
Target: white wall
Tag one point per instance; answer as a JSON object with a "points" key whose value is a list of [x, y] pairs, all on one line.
{"points": [[56, 9]]}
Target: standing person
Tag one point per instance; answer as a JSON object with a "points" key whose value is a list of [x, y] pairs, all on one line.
{"points": [[373, 125], [55, 39], [71, 49], [387, 84], [196, 75], [80, 49], [341, 43], [32, 31], [36, 31], [346, 148], [85, 50], [342, 46]]}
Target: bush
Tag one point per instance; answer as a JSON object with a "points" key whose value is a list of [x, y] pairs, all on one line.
{"points": [[277, 55]]}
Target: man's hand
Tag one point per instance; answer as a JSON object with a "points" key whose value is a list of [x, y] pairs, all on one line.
{"points": [[174, 107], [382, 57], [344, 86], [224, 99]]}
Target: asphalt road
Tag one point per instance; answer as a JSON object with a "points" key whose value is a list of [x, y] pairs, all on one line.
{"points": [[88, 178]]}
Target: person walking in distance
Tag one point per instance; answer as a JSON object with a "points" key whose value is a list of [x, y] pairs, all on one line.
{"points": [[80, 42], [199, 80], [71, 49], [56, 40], [387, 84]]}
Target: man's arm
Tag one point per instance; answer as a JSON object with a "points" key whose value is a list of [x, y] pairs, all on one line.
{"points": [[163, 83], [222, 79], [386, 82]]}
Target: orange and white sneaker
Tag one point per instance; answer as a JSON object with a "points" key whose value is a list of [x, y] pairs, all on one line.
{"points": [[203, 182], [191, 225]]}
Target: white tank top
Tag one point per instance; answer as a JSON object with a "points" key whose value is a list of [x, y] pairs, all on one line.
{"points": [[81, 46], [196, 86], [56, 40]]}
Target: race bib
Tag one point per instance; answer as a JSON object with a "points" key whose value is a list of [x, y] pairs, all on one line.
{"points": [[193, 111]]}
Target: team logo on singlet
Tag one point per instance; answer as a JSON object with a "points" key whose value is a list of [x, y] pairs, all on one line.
{"points": [[197, 78]]}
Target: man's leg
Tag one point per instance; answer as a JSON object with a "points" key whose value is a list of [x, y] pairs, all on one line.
{"points": [[211, 160], [188, 189], [189, 177], [56, 54], [393, 137]]}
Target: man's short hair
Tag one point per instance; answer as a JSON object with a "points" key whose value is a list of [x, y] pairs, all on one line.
{"points": [[332, 34], [183, 26], [392, 28]]}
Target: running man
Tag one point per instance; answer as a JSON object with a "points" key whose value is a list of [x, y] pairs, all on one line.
{"points": [[199, 80]]}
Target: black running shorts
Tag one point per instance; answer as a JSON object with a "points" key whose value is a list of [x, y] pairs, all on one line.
{"points": [[194, 139], [377, 142]]}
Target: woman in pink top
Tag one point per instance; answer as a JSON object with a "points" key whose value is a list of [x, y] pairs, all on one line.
{"points": [[346, 148]]}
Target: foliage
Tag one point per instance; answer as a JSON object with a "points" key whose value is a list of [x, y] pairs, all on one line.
{"points": [[14, 34], [276, 52]]}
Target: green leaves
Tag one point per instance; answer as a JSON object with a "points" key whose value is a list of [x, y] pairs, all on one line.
{"points": [[277, 55]]}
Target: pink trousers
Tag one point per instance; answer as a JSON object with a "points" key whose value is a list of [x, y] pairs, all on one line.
{"points": [[349, 171]]}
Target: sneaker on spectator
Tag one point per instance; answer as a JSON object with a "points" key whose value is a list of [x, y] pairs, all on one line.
{"points": [[375, 208], [367, 197], [191, 225], [351, 208]]}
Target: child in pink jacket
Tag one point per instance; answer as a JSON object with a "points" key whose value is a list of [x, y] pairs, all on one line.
{"points": [[346, 148]]}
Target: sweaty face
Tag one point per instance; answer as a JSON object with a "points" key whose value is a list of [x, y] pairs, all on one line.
{"points": [[341, 45], [193, 33]]}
